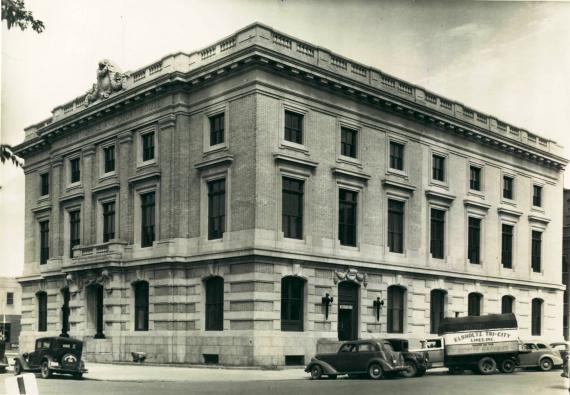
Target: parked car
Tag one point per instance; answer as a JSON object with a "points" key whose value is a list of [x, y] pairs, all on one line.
{"points": [[539, 355], [3, 359], [562, 348], [416, 362], [53, 355], [433, 348], [372, 357]]}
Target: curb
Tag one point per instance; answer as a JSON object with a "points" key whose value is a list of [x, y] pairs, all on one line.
{"points": [[198, 366]]}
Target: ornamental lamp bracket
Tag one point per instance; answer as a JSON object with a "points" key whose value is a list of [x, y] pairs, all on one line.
{"points": [[327, 302]]}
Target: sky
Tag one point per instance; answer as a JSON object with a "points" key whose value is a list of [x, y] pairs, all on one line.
{"points": [[507, 59]]}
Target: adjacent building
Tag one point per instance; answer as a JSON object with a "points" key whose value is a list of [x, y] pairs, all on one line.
{"points": [[236, 204], [10, 311]]}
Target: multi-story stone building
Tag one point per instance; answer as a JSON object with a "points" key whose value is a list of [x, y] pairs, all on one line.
{"points": [[10, 310], [565, 258], [238, 203]]}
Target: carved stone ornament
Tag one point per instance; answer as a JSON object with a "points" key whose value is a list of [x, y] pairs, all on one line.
{"points": [[72, 283], [352, 275], [109, 79]]}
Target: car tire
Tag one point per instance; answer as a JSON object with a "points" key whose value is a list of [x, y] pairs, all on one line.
{"points": [[421, 372], [411, 369], [487, 365], [78, 376], [507, 366], [316, 372], [17, 368], [545, 364], [375, 371], [44, 370]]}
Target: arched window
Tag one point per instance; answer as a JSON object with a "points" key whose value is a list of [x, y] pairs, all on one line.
{"points": [[292, 296], [42, 311], [141, 305], [214, 303], [396, 309], [474, 302], [437, 309], [536, 317], [507, 302]]}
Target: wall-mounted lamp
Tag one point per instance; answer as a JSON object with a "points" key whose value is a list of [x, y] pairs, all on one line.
{"points": [[327, 301], [377, 305]]}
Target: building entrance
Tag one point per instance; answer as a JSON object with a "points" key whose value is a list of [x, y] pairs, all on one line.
{"points": [[347, 311]]}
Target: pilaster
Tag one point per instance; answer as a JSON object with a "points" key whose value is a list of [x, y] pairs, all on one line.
{"points": [[125, 166], [88, 180]]}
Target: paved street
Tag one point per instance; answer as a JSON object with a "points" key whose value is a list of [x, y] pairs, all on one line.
{"points": [[126, 379]]}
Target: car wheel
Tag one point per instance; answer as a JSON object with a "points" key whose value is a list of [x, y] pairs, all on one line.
{"points": [[316, 372], [421, 372], [546, 364], [487, 365], [17, 368], [507, 366], [45, 372], [411, 369], [375, 371]]}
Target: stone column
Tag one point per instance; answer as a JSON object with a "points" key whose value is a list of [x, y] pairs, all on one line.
{"points": [[168, 159], [88, 179], [57, 184], [126, 165]]}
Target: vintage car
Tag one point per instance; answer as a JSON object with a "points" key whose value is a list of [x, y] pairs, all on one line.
{"points": [[53, 355], [374, 358], [539, 355], [3, 359], [416, 362], [562, 348], [433, 347]]}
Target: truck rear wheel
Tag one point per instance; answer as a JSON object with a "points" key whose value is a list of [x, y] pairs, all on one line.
{"points": [[507, 366], [487, 365]]}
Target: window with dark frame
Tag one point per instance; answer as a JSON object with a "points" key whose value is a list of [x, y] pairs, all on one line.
{"points": [[474, 240], [147, 146], [214, 304], [536, 321], [147, 219], [348, 142], [109, 159], [474, 304], [507, 304], [75, 170], [347, 211], [438, 168], [294, 127], [141, 306], [44, 182], [292, 206], [44, 242], [396, 226], [9, 298], [437, 233], [42, 311], [292, 296], [507, 246], [108, 221], [536, 251], [396, 300], [508, 183], [437, 309], [475, 178], [217, 129], [537, 195], [396, 155], [216, 209], [74, 230]]}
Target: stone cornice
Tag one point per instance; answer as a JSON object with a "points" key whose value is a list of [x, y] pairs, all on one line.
{"points": [[441, 196], [476, 204]]}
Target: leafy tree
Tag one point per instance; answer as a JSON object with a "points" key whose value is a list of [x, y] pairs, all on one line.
{"points": [[15, 14], [7, 154]]}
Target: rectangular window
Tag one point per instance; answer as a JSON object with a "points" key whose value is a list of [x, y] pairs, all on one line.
{"points": [[348, 142], [474, 240], [396, 226], [44, 242], [42, 312], [537, 196], [44, 181], [217, 126], [108, 221], [507, 246], [474, 304], [396, 156], [75, 170], [9, 298], [508, 187], [536, 322], [216, 209], [437, 233], [109, 158], [475, 178], [536, 251], [294, 127], [74, 230], [292, 219], [147, 219], [347, 205], [438, 168], [148, 146]]}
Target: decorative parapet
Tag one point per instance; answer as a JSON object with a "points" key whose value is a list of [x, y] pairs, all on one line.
{"points": [[99, 250]]}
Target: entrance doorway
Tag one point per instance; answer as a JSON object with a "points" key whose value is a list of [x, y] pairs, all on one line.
{"points": [[348, 311], [95, 310]]}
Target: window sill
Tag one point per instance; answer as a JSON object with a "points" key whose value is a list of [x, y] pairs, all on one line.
{"points": [[294, 146], [107, 176], [43, 199], [215, 148], [349, 160], [147, 163], [539, 209], [474, 192], [509, 202], [397, 173], [73, 186], [440, 184]]}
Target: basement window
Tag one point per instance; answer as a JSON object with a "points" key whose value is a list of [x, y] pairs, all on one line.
{"points": [[294, 360], [211, 359]]}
